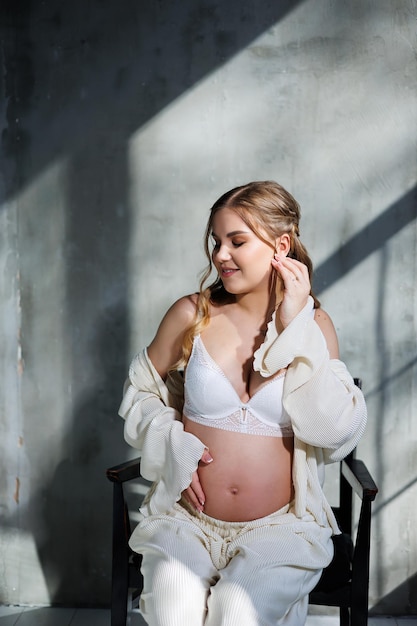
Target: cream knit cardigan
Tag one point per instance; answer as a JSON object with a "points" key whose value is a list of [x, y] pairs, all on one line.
{"points": [[327, 411]]}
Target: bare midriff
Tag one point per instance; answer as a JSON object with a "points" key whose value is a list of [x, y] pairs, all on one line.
{"points": [[250, 475]]}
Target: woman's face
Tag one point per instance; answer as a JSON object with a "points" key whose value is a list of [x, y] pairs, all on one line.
{"points": [[242, 260]]}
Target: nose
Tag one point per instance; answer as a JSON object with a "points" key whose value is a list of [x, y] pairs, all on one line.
{"points": [[222, 254]]}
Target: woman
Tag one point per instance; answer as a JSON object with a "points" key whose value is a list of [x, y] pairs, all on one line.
{"points": [[236, 529]]}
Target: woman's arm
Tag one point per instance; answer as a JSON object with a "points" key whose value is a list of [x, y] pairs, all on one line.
{"points": [[329, 332], [169, 455], [327, 410], [165, 348]]}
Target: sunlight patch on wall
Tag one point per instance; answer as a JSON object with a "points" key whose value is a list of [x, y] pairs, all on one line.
{"points": [[41, 216], [21, 574], [34, 380]]}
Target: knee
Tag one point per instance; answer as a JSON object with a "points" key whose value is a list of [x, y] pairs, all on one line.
{"points": [[230, 603], [258, 598], [173, 595]]}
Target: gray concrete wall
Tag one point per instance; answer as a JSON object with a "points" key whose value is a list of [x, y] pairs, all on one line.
{"points": [[121, 123]]}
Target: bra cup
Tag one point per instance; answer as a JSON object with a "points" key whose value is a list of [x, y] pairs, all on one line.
{"points": [[209, 394], [266, 403]]}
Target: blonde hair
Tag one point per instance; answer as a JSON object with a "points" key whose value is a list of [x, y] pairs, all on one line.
{"points": [[266, 208]]}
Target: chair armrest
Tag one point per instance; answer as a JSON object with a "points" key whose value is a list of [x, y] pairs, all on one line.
{"points": [[124, 472], [359, 478]]}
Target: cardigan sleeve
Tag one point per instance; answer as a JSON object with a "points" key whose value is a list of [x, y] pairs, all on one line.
{"points": [[169, 455], [326, 408]]}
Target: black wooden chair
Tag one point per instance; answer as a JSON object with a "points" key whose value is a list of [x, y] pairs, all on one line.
{"points": [[344, 583]]}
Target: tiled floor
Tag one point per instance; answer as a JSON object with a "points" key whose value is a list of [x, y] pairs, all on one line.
{"points": [[36, 616]]}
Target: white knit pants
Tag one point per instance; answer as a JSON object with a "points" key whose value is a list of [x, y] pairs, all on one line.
{"points": [[201, 571]]}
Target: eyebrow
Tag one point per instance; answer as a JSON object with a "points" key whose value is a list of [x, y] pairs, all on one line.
{"points": [[232, 234]]}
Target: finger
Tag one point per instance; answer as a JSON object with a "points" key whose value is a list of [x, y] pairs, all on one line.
{"points": [[206, 457], [300, 270], [287, 274], [290, 261], [193, 500], [198, 490], [291, 270], [196, 493]]}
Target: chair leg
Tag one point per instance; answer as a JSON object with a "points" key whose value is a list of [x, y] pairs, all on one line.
{"points": [[359, 616], [360, 575], [119, 599], [120, 565], [344, 617], [118, 614]]}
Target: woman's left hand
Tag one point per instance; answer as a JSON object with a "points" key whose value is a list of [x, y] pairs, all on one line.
{"points": [[194, 493], [296, 284]]}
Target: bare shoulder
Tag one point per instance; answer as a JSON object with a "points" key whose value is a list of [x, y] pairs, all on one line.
{"points": [[165, 348], [183, 309], [323, 318], [326, 326], [179, 316]]}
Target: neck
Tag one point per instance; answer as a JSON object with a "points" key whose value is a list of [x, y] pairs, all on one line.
{"points": [[258, 307], [264, 301]]}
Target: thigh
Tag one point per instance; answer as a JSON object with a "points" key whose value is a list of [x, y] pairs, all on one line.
{"points": [[177, 571]]}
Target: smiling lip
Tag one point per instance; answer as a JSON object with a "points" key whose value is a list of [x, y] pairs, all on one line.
{"points": [[228, 271]]}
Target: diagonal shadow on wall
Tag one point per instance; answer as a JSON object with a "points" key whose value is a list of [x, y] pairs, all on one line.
{"points": [[405, 595], [371, 239], [367, 241], [108, 65]]}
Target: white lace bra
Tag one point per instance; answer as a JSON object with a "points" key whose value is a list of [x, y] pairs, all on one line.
{"points": [[210, 399]]}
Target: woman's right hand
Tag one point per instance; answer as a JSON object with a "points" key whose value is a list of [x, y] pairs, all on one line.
{"points": [[194, 493], [296, 283]]}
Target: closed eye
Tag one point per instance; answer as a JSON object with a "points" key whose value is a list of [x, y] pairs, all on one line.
{"points": [[235, 244]]}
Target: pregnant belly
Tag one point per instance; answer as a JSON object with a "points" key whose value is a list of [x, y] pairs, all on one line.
{"points": [[250, 475]]}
